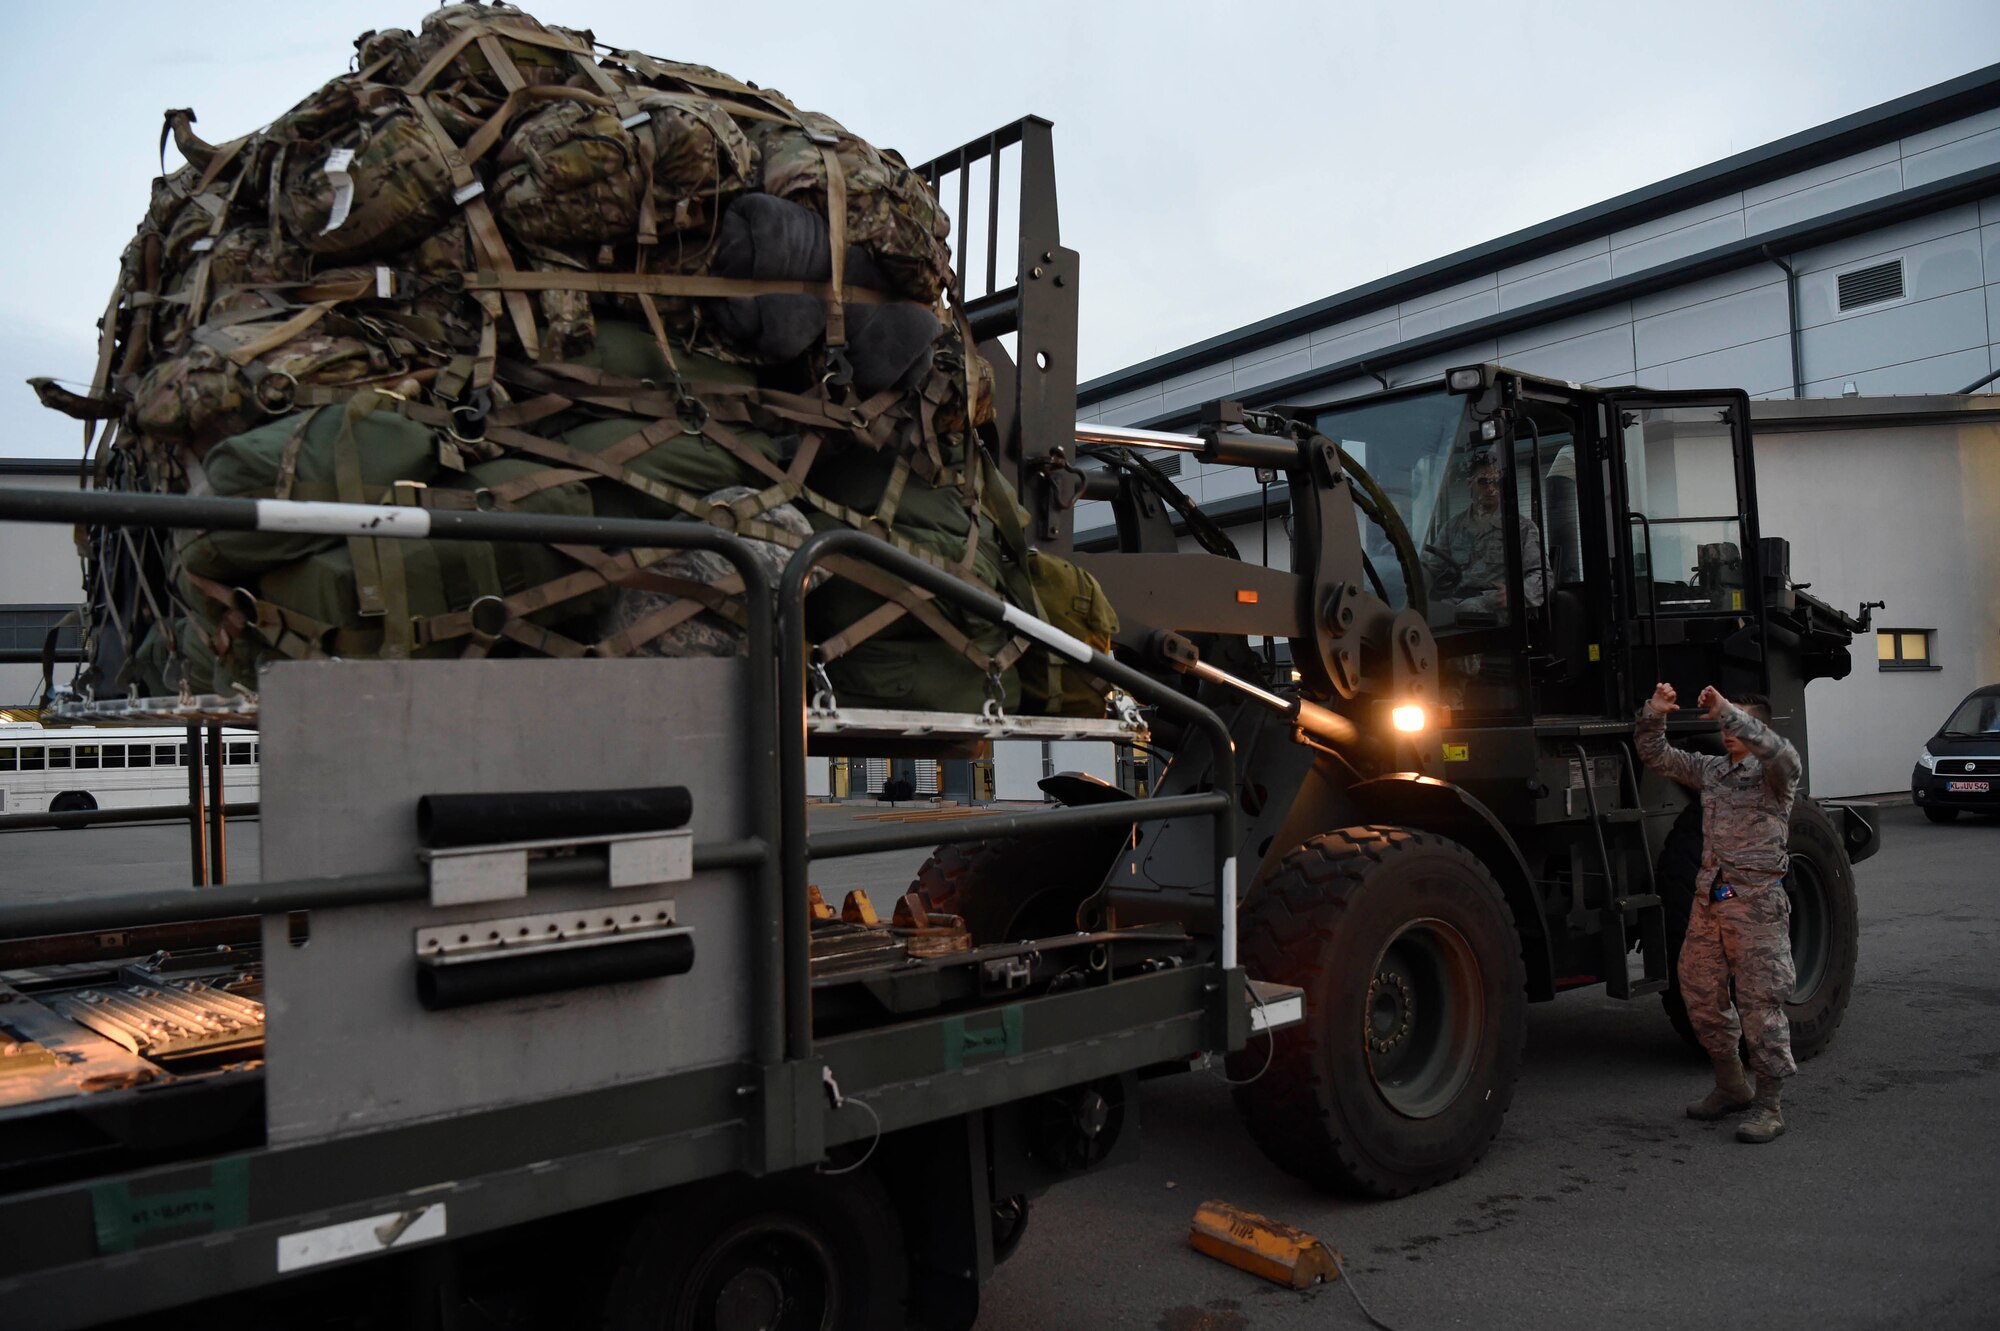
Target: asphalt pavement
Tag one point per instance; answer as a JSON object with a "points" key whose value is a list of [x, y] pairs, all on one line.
{"points": [[1600, 1205]]}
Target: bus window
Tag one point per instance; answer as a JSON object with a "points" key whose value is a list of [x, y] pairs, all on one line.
{"points": [[58, 756], [7, 758], [86, 757], [163, 756], [32, 758], [139, 755], [114, 755], [239, 753]]}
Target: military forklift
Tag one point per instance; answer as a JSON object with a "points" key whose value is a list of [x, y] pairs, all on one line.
{"points": [[1443, 814]]}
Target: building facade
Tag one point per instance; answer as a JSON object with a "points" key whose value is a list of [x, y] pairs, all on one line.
{"points": [[40, 582]]}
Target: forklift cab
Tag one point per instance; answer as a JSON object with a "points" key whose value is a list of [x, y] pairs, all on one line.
{"points": [[1575, 545]]}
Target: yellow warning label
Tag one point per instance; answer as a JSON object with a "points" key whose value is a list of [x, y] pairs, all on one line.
{"points": [[1594, 653], [1736, 600], [1457, 753]]}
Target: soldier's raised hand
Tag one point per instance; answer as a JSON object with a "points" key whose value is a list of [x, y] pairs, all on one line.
{"points": [[1664, 699], [1710, 702]]}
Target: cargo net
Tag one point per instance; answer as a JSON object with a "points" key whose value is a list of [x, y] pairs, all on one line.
{"points": [[501, 266]]}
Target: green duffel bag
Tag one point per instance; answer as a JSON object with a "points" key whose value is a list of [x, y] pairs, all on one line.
{"points": [[628, 350], [1074, 601], [386, 448], [317, 598], [916, 676]]}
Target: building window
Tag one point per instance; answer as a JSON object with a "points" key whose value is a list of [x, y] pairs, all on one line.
{"points": [[1904, 649], [24, 627]]}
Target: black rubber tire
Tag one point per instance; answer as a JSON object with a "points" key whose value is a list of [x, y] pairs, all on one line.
{"points": [[1324, 921], [838, 1238], [1014, 888], [1937, 815], [1826, 950], [73, 801]]}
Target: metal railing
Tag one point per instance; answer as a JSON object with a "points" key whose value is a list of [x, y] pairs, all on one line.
{"points": [[186, 512], [781, 847]]}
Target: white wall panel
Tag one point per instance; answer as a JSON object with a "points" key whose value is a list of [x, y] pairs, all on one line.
{"points": [[1934, 268], [1270, 371], [1355, 342], [1193, 392], [1562, 258], [1436, 318], [1952, 159], [1555, 282], [1433, 367], [1617, 315], [1932, 374], [1951, 133], [1602, 357], [1720, 206], [1290, 346], [1848, 501], [1887, 241], [1747, 278], [1137, 407], [1201, 374], [1894, 335], [1882, 154], [1760, 367], [1820, 200], [1989, 211], [1712, 325], [1446, 295], [1653, 252]]}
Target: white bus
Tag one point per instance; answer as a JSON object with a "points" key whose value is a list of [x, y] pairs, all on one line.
{"points": [[74, 769]]}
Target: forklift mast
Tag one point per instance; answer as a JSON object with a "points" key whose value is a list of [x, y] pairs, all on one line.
{"points": [[1026, 331]]}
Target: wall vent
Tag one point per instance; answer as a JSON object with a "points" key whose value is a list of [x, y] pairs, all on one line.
{"points": [[1871, 286]]}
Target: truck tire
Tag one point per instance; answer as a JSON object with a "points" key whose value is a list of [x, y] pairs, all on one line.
{"points": [[1416, 1007], [800, 1251], [73, 801], [1014, 888], [1825, 923]]}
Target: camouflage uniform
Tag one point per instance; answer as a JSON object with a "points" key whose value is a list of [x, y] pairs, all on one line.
{"points": [[1471, 555], [1746, 811]]}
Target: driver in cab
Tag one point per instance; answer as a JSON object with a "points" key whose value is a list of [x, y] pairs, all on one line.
{"points": [[1466, 564]]}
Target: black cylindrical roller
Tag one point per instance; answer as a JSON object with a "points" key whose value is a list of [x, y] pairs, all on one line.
{"points": [[546, 815], [503, 976]]}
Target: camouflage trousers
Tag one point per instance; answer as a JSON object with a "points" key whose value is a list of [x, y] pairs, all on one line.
{"points": [[1746, 938]]}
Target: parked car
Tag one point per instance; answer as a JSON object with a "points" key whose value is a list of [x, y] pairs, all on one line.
{"points": [[1958, 769]]}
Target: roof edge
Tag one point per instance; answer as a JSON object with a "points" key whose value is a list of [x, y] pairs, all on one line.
{"points": [[1953, 99]]}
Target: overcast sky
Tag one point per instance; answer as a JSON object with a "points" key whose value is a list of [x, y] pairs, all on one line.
{"points": [[1218, 164]]}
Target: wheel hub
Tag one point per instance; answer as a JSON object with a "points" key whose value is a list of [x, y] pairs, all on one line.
{"points": [[1422, 1018], [752, 1300], [1390, 1007]]}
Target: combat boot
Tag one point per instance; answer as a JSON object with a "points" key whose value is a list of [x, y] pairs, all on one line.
{"points": [[1766, 1120], [1731, 1094]]}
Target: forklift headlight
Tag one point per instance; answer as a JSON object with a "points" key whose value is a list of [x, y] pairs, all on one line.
{"points": [[1409, 718], [1470, 379]]}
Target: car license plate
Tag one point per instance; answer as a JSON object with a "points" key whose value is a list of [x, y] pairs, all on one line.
{"points": [[1968, 787]]}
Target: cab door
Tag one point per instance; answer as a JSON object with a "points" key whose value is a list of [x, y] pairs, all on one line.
{"points": [[1687, 558]]}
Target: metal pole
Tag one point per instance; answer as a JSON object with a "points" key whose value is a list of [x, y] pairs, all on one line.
{"points": [[197, 841], [218, 852]]}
